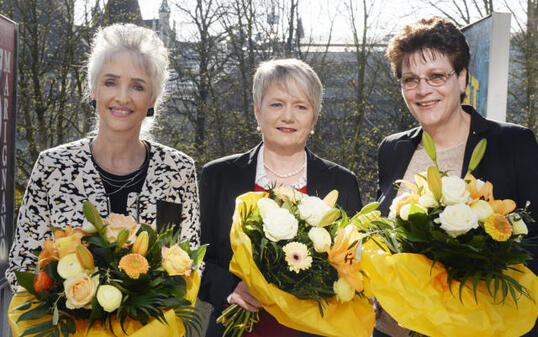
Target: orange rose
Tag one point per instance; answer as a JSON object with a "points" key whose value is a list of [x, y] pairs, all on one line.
{"points": [[42, 281], [80, 291], [115, 223], [48, 254]]}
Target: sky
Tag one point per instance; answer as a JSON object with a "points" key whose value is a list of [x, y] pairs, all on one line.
{"points": [[385, 16]]}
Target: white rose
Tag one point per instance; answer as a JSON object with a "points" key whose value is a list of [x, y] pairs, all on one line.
{"points": [[458, 219], [343, 290], [427, 200], [406, 209], [266, 206], [69, 266], [279, 224], [312, 210], [482, 209], [454, 190], [321, 239], [109, 297]]}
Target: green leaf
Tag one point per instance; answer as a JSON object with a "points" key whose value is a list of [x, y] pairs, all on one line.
{"points": [[478, 152], [37, 312], [198, 255], [25, 305], [92, 215], [429, 146], [368, 208], [26, 280], [476, 278]]}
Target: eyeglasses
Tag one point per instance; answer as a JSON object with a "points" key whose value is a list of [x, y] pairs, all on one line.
{"points": [[433, 79]]}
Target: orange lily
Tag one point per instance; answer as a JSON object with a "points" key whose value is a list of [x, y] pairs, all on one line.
{"points": [[343, 256]]}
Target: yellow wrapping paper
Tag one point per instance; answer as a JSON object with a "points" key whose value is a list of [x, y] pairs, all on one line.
{"points": [[174, 328], [418, 298], [350, 319]]}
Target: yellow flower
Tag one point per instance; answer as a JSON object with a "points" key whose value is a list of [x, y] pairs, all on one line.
{"points": [[140, 245], [343, 290], [134, 265], [297, 256], [344, 255], [176, 261], [498, 227], [66, 241]]}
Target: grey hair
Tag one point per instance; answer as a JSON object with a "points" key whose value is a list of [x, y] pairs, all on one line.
{"points": [[288, 73], [142, 43]]}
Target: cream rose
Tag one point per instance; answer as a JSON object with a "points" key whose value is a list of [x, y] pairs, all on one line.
{"points": [[109, 297], [116, 223], [279, 224], [398, 203], [266, 206], [288, 193], [458, 219], [482, 209], [312, 210], [176, 261], [69, 266], [343, 290], [320, 238], [454, 191], [80, 291]]}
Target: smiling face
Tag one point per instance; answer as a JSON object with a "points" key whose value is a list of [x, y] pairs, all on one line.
{"points": [[431, 106], [123, 95], [286, 118]]}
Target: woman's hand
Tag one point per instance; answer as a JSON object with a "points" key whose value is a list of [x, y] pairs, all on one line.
{"points": [[242, 297]]}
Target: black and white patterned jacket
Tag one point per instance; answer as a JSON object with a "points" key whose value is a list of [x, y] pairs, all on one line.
{"points": [[64, 176]]}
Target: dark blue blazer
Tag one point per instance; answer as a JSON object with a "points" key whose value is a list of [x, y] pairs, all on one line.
{"points": [[224, 179]]}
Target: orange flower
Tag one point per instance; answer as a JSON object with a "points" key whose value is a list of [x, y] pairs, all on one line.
{"points": [[498, 227], [502, 207], [48, 254], [485, 192], [134, 265], [343, 256]]}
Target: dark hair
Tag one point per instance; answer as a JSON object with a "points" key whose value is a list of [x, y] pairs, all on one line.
{"points": [[435, 34]]}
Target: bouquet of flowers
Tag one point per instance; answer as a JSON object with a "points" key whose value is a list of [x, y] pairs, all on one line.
{"points": [[300, 257], [113, 273], [451, 262]]}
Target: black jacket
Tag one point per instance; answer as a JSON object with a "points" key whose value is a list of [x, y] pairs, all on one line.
{"points": [[224, 179], [510, 164]]}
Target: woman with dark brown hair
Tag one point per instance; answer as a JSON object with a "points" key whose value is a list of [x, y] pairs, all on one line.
{"points": [[430, 59]]}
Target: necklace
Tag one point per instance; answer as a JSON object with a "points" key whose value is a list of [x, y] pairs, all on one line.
{"points": [[286, 175], [117, 185]]}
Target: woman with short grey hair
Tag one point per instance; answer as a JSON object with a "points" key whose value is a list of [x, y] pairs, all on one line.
{"points": [[287, 98], [116, 170]]}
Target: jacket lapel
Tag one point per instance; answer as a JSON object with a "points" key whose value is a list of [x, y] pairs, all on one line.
{"points": [[477, 130], [245, 165], [89, 183]]}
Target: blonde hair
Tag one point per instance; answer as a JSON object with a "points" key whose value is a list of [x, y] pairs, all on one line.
{"points": [[288, 73]]}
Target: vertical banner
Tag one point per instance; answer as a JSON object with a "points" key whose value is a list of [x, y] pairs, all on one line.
{"points": [[8, 38], [489, 41]]}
